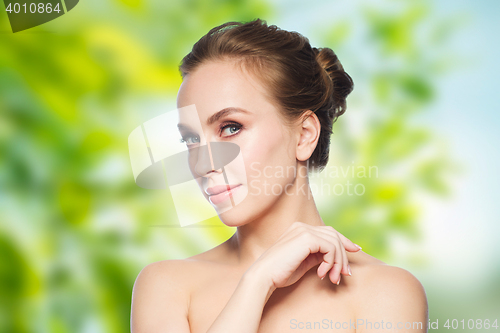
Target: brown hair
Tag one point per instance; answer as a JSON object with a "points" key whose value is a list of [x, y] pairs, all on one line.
{"points": [[299, 77]]}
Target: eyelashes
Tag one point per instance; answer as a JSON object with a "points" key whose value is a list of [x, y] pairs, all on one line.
{"points": [[190, 139], [231, 128]]}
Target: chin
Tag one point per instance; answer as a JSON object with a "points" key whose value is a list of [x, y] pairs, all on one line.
{"points": [[234, 218], [240, 216], [233, 212], [249, 209]]}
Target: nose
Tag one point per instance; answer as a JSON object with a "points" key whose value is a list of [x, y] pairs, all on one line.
{"points": [[203, 161]]}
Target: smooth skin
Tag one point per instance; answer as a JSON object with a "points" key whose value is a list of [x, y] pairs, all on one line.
{"points": [[283, 269]]}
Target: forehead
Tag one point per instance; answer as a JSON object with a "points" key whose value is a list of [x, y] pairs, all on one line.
{"points": [[217, 85]]}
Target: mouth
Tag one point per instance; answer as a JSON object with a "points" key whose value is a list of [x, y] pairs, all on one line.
{"points": [[220, 193]]}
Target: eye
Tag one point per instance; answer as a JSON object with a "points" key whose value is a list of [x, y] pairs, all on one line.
{"points": [[190, 140], [230, 129]]}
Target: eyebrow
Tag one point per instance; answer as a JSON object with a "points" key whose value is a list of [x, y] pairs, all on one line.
{"points": [[219, 115]]}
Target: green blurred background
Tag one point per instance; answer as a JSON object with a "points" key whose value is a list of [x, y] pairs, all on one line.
{"points": [[75, 230]]}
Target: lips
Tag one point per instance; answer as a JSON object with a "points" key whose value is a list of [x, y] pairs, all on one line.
{"points": [[221, 193], [218, 189]]}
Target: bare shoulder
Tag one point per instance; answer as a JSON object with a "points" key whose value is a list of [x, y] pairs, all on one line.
{"points": [[160, 298], [162, 291], [167, 274], [375, 276], [383, 280], [157, 273], [168, 277], [389, 293]]}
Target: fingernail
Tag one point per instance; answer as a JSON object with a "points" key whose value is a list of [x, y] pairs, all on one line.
{"points": [[359, 247], [349, 269], [338, 281]]}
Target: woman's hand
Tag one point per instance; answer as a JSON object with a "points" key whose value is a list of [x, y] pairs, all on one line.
{"points": [[300, 248]]}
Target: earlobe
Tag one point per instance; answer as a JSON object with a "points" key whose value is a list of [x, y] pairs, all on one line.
{"points": [[309, 130]]}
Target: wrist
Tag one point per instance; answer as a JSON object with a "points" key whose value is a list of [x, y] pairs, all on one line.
{"points": [[258, 280]]}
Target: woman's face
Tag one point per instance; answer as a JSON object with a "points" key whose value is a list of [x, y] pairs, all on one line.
{"points": [[233, 107]]}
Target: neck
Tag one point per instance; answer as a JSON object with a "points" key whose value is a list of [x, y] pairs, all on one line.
{"points": [[252, 239]]}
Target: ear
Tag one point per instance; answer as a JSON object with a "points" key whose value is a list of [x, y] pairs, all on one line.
{"points": [[309, 130]]}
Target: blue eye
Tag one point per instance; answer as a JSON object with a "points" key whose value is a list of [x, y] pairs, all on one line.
{"points": [[190, 139], [230, 129]]}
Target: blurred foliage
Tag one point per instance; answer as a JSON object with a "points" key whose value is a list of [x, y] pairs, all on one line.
{"points": [[406, 158], [74, 228]]}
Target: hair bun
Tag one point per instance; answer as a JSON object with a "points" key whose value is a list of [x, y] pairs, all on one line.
{"points": [[342, 82]]}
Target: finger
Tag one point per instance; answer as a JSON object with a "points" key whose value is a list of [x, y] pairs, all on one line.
{"points": [[328, 259], [300, 226], [331, 236], [312, 260], [336, 269], [345, 268], [338, 256], [327, 246], [315, 247], [334, 266], [334, 235], [348, 244]]}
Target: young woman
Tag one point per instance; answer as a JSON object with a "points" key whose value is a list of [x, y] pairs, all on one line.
{"points": [[269, 92]]}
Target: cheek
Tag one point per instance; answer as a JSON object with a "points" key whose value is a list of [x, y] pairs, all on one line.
{"points": [[267, 152]]}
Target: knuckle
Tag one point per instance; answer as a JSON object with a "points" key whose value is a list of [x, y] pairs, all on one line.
{"points": [[294, 228], [300, 229], [329, 228], [336, 241], [306, 235]]}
